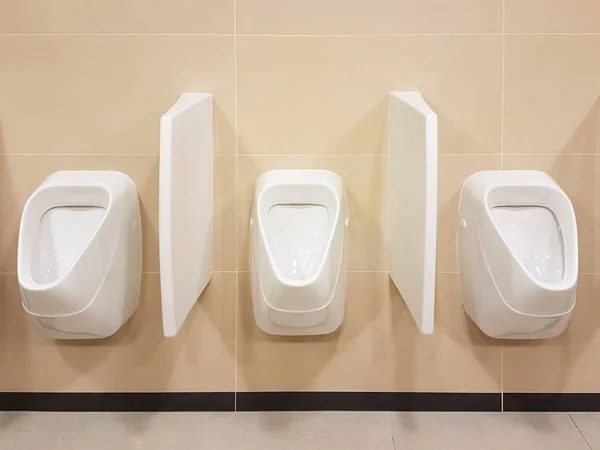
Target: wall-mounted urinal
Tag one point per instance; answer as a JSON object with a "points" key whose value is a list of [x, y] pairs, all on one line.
{"points": [[412, 203], [517, 248], [80, 254], [185, 206], [299, 236]]}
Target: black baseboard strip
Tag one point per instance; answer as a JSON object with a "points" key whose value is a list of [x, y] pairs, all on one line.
{"points": [[568, 402], [117, 401], [299, 401], [367, 401]]}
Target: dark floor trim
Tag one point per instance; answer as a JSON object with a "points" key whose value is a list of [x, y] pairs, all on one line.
{"points": [[117, 401], [571, 402], [366, 401], [297, 401]]}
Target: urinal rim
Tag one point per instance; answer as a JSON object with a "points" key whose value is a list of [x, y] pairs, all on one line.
{"points": [[334, 227], [569, 281], [24, 269]]}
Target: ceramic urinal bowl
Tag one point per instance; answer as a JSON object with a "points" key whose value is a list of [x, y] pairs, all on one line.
{"points": [[79, 257], [299, 233], [517, 247]]}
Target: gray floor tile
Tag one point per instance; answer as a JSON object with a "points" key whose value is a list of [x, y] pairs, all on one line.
{"points": [[589, 425], [497, 431], [295, 431], [92, 431]]}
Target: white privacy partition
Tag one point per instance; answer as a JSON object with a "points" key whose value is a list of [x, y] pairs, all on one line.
{"points": [[185, 206], [412, 203]]}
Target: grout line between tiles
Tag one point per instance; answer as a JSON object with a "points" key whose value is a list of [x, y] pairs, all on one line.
{"points": [[376, 35], [235, 97], [519, 33], [342, 155], [113, 34], [262, 155], [112, 155], [365, 35], [502, 85], [349, 271], [582, 435], [502, 375]]}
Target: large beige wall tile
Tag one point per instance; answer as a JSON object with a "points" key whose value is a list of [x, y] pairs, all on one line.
{"points": [[117, 16], [225, 213], [20, 175], [552, 16], [576, 175], [106, 94], [137, 358], [365, 179], [568, 363], [551, 94], [329, 95], [368, 17], [453, 170], [378, 347]]}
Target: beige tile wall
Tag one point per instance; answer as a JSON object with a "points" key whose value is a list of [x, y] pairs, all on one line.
{"points": [[301, 85]]}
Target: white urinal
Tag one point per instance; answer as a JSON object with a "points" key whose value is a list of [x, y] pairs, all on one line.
{"points": [[79, 258], [299, 232], [517, 254]]}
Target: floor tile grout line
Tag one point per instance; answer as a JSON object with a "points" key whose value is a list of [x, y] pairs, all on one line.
{"points": [[391, 429], [236, 240], [577, 426]]}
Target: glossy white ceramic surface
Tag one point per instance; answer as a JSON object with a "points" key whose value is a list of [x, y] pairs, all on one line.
{"points": [[412, 203], [298, 240], [80, 254], [299, 232], [533, 235], [185, 207], [61, 237], [517, 254]]}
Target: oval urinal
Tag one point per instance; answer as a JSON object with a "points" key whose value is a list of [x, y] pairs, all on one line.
{"points": [[79, 256], [517, 254], [299, 232]]}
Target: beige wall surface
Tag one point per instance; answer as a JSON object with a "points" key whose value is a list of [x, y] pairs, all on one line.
{"points": [[301, 84]]}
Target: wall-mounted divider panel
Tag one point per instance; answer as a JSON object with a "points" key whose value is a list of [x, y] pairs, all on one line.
{"points": [[412, 203], [185, 206]]}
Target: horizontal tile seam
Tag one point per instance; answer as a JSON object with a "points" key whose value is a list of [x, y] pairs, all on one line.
{"points": [[350, 271], [370, 35], [309, 155], [550, 33], [251, 35], [231, 35], [375, 35], [492, 33], [84, 154]]}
